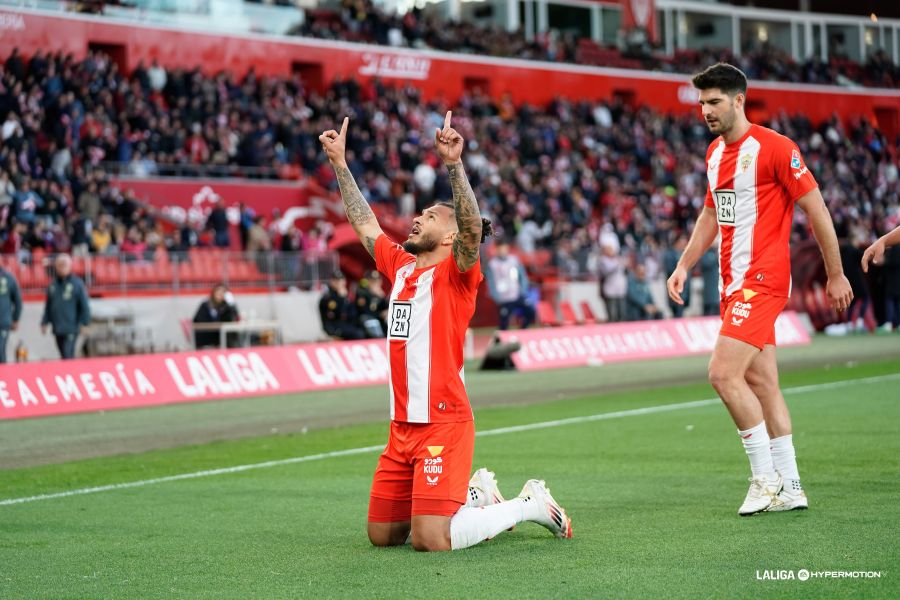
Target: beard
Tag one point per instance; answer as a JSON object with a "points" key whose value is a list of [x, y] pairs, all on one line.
{"points": [[723, 124], [425, 244]]}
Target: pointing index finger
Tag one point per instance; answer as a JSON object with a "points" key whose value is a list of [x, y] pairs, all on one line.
{"points": [[447, 119], [344, 126]]}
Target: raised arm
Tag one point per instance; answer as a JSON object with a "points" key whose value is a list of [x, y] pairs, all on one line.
{"points": [[703, 236], [875, 252], [449, 145], [837, 288], [359, 213]]}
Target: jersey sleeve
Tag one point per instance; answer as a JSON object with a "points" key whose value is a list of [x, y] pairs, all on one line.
{"points": [[390, 256], [791, 170], [708, 202], [465, 281]]}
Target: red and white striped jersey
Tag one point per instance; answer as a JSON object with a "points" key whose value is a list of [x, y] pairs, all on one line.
{"points": [[430, 310], [753, 184]]}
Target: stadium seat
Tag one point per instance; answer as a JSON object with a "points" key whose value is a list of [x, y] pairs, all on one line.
{"points": [[568, 314], [547, 314], [587, 313]]}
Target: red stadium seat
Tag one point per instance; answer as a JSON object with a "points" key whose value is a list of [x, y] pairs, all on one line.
{"points": [[568, 313], [587, 314], [547, 314]]}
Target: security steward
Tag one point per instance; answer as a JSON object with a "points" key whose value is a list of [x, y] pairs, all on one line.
{"points": [[66, 310]]}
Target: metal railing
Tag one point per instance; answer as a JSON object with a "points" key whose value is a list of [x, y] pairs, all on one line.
{"points": [[194, 271]]}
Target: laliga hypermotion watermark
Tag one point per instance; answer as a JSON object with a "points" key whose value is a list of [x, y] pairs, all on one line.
{"points": [[806, 575]]}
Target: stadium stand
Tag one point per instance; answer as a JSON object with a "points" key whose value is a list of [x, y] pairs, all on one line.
{"points": [[363, 21], [550, 176]]}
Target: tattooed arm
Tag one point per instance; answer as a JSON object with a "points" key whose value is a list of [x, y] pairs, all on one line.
{"points": [[359, 213], [449, 145], [468, 219]]}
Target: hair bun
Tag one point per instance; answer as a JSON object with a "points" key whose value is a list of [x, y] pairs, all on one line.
{"points": [[487, 229]]}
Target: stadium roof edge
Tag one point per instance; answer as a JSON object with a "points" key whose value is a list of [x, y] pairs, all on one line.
{"points": [[464, 58], [770, 14]]}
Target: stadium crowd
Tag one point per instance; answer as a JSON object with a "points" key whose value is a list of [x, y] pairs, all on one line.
{"points": [[362, 21], [569, 177]]}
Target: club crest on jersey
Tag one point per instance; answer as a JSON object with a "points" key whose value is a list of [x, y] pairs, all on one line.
{"points": [[746, 161], [796, 163]]}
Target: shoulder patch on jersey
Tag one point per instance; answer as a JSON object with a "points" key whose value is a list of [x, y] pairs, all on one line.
{"points": [[796, 163]]}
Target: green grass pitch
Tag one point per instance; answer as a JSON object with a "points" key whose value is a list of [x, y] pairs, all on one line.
{"points": [[653, 498]]}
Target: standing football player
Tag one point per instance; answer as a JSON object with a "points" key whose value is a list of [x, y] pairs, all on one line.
{"points": [[756, 177], [875, 253], [420, 489]]}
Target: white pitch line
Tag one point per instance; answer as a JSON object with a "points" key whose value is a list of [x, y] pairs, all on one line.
{"points": [[498, 431]]}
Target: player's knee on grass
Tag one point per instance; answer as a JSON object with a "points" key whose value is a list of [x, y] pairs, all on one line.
{"points": [[388, 534], [431, 533]]}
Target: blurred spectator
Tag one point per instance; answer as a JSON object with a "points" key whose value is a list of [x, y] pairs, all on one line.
{"points": [[101, 236], [156, 77], [291, 240], [258, 239], [564, 259], [7, 197], [246, 216], [709, 272], [424, 177], [89, 203], [372, 305], [670, 261], [10, 309], [67, 309], [217, 221], [339, 318], [80, 227], [508, 286], [11, 129], [640, 301], [133, 246], [187, 238], [613, 283], [218, 308], [28, 202]]}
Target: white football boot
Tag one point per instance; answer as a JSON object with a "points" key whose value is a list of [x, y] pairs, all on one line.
{"points": [[548, 512], [761, 494], [483, 489], [791, 497]]}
